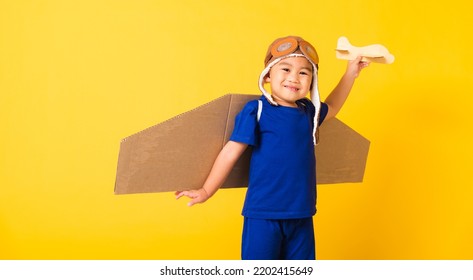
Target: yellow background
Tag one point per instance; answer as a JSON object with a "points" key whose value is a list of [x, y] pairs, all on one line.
{"points": [[78, 76]]}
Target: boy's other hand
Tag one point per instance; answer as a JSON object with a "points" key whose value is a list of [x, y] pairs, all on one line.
{"points": [[355, 66], [197, 196]]}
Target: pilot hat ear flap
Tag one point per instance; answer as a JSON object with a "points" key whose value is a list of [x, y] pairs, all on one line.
{"points": [[315, 98], [262, 80]]}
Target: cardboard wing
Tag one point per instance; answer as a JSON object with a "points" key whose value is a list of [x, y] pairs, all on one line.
{"points": [[178, 154]]}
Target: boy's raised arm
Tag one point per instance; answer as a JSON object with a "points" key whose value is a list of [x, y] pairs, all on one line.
{"points": [[222, 167], [340, 93]]}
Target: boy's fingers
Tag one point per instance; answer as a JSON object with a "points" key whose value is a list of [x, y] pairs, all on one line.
{"points": [[190, 194], [357, 59], [194, 201], [195, 196], [181, 194]]}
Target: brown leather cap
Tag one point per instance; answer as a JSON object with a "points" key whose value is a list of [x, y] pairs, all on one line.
{"points": [[288, 45]]}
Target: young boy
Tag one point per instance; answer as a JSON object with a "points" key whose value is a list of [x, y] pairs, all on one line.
{"points": [[281, 196]]}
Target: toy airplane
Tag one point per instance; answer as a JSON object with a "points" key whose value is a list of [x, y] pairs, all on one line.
{"points": [[178, 154], [372, 53]]}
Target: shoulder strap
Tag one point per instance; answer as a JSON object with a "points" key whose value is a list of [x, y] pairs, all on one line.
{"points": [[260, 109]]}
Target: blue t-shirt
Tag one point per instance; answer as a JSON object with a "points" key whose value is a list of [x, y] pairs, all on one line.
{"points": [[282, 183]]}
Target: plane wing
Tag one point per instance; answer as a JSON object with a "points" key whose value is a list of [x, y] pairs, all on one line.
{"points": [[178, 153]]}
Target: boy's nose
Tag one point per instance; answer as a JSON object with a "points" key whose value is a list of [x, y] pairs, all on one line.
{"points": [[293, 78]]}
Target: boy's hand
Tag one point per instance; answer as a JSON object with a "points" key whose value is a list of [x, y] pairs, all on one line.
{"points": [[198, 196], [355, 66]]}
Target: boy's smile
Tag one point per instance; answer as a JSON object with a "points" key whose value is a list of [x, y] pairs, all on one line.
{"points": [[290, 80]]}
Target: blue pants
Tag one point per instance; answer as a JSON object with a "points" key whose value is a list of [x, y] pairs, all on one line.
{"points": [[291, 239]]}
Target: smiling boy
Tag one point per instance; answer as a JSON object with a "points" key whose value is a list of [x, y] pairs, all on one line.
{"points": [[282, 129]]}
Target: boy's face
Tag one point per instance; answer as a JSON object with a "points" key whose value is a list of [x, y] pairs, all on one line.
{"points": [[290, 80]]}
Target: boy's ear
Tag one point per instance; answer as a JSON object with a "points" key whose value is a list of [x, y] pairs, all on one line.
{"points": [[267, 79]]}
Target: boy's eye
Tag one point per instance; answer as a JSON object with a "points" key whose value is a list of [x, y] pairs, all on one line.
{"points": [[285, 69]]}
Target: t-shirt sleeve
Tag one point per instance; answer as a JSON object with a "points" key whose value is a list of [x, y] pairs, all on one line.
{"points": [[246, 125], [323, 112]]}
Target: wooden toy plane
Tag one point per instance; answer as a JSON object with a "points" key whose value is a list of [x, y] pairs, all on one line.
{"points": [[178, 153], [371, 53]]}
